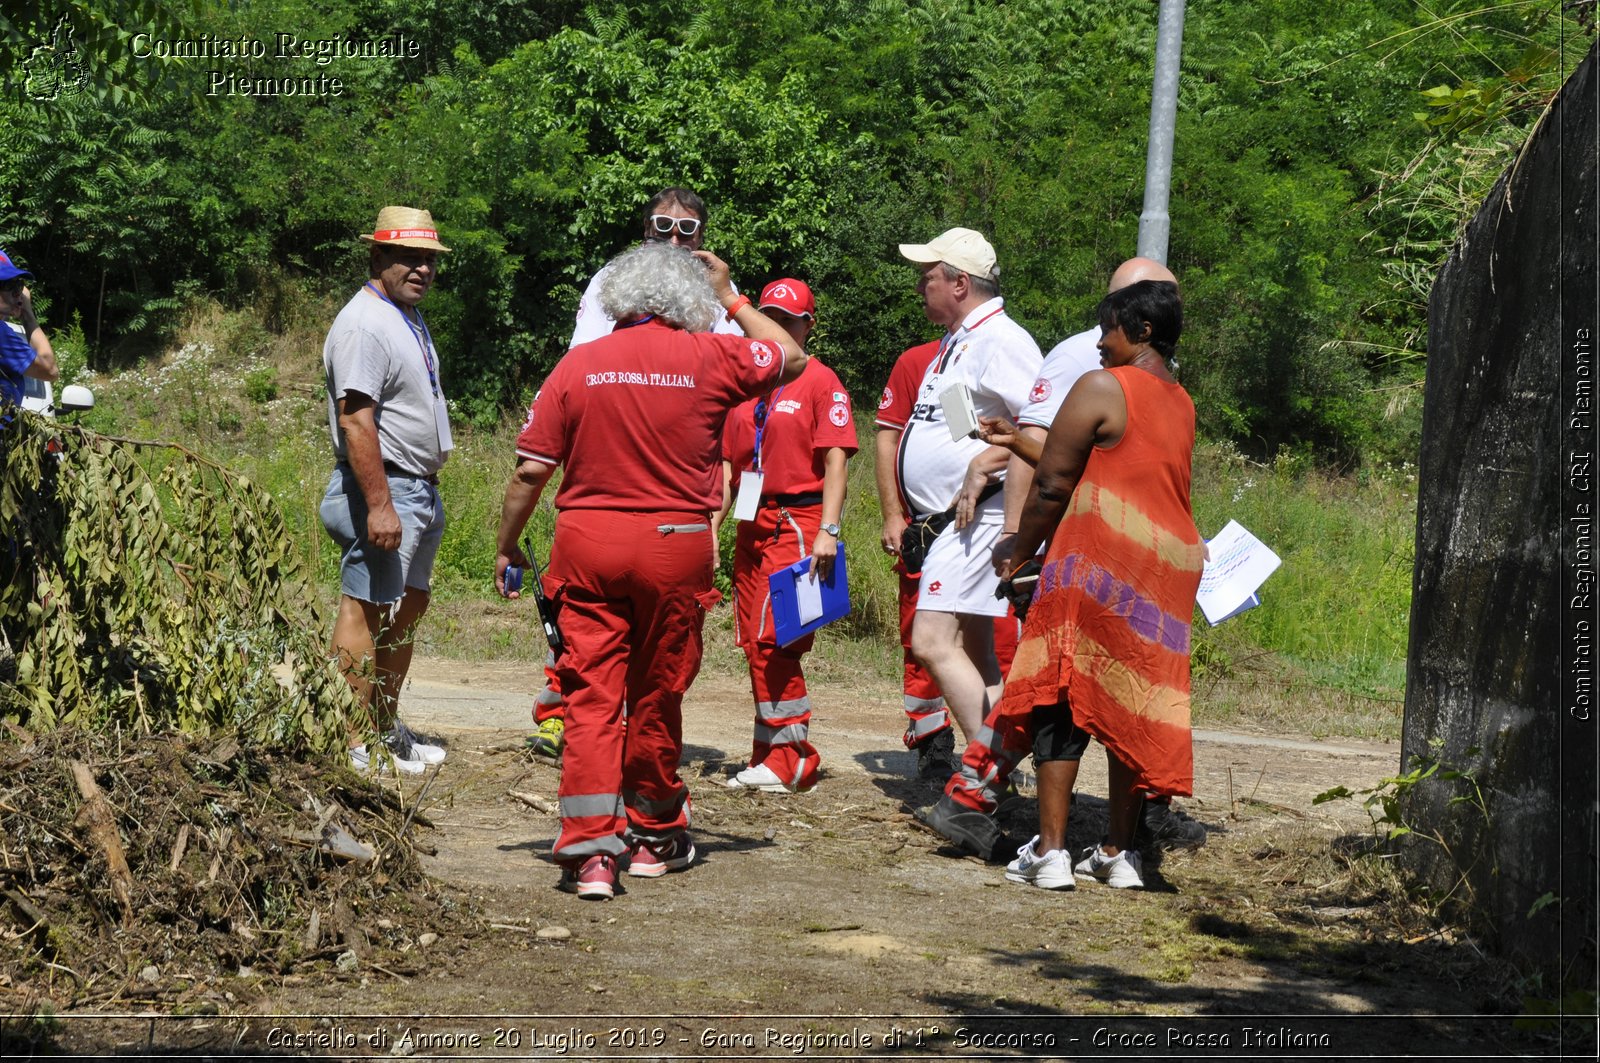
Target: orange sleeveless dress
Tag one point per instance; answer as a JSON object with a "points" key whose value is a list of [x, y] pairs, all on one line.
{"points": [[1108, 631]]}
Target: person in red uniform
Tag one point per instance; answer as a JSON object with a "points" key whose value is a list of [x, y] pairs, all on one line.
{"points": [[674, 215], [635, 421], [783, 456], [927, 721]]}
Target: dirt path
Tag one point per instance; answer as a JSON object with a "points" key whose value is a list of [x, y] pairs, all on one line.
{"points": [[827, 926]]}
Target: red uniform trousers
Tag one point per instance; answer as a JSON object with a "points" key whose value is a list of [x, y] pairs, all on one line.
{"points": [[924, 703], [775, 539], [633, 589]]}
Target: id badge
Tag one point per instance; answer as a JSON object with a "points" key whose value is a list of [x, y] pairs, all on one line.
{"points": [[441, 421], [749, 500]]}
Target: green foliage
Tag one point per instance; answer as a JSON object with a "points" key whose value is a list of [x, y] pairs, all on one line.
{"points": [[68, 48], [1309, 207], [1387, 805], [1332, 534], [261, 385], [149, 588]]}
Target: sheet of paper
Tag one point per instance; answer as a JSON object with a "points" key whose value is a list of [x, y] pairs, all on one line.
{"points": [[959, 412], [749, 500], [441, 423], [1249, 604], [808, 596], [1238, 565]]}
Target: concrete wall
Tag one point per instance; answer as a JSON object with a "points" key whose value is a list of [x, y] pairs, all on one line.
{"points": [[1500, 610]]}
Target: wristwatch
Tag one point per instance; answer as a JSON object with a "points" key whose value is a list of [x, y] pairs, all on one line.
{"points": [[833, 530]]}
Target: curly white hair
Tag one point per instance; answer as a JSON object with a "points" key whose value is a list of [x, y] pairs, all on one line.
{"points": [[660, 279]]}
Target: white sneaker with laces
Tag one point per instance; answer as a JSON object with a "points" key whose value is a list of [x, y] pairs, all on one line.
{"points": [[1025, 858], [1052, 871], [400, 737], [759, 777], [1121, 872]]}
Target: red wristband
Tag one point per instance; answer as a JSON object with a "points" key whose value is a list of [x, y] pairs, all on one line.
{"points": [[738, 305]]}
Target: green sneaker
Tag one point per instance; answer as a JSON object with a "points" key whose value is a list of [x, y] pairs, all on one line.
{"points": [[547, 740]]}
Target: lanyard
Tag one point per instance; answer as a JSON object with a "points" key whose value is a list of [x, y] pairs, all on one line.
{"points": [[950, 338], [427, 357], [761, 421]]}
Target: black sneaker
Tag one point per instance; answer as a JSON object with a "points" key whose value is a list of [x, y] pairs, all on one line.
{"points": [[936, 757], [969, 831], [1164, 827]]}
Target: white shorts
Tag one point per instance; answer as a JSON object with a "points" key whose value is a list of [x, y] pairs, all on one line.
{"points": [[958, 575]]}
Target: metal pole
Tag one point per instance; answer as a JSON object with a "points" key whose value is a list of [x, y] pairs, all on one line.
{"points": [[1154, 223]]}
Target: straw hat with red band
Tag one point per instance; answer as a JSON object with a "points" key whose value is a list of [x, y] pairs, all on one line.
{"points": [[790, 296], [405, 227]]}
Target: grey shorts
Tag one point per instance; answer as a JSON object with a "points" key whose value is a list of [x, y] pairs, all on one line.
{"points": [[382, 576]]}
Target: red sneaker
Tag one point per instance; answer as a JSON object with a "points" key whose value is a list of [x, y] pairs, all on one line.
{"points": [[593, 880], [654, 859]]}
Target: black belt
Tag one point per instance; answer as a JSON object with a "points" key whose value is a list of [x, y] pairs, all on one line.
{"points": [[806, 498], [391, 469]]}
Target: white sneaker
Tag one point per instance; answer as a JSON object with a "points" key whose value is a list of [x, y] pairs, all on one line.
{"points": [[362, 760], [1052, 871], [759, 777], [1121, 872], [399, 737]]}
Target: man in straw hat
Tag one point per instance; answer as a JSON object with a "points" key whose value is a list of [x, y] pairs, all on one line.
{"points": [[391, 435]]}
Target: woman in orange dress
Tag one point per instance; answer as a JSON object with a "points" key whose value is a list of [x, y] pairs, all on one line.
{"points": [[1105, 644]]}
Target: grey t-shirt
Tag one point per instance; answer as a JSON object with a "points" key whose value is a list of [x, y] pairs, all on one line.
{"points": [[373, 349]]}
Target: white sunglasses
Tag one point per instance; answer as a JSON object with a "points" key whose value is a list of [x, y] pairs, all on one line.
{"points": [[663, 224]]}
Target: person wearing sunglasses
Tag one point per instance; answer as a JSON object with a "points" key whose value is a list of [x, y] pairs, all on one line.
{"points": [[783, 457], [25, 350], [674, 216], [634, 420]]}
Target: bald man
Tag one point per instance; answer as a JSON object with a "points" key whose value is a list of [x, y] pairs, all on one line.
{"points": [[1066, 362], [965, 814]]}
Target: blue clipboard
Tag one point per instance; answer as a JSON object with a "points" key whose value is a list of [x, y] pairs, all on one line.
{"points": [[783, 585]]}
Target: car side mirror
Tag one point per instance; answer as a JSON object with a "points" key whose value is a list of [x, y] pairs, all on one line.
{"points": [[75, 398]]}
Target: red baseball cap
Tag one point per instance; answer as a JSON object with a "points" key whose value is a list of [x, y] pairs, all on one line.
{"points": [[790, 296]]}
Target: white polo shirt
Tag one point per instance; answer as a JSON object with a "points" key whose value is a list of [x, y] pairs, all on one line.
{"points": [[593, 321], [999, 362], [1066, 362]]}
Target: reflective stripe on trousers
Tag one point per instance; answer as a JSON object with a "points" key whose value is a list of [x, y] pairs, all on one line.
{"points": [[775, 539], [1002, 743]]}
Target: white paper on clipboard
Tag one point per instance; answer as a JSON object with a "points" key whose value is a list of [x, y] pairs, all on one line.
{"points": [[808, 596], [959, 412]]}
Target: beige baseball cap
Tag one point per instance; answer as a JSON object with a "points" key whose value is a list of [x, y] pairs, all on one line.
{"points": [[965, 249]]}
